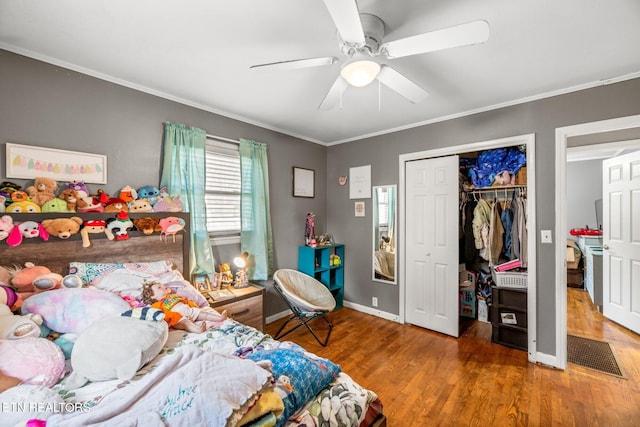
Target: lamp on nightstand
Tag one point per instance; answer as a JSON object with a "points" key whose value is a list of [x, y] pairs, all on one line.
{"points": [[242, 262]]}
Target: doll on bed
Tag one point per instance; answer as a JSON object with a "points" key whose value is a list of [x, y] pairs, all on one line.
{"points": [[179, 312]]}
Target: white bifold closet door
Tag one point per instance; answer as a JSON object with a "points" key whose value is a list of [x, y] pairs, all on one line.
{"points": [[431, 218]]}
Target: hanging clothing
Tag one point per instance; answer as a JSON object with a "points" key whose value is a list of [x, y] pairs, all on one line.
{"points": [[522, 230], [507, 222], [481, 220], [496, 230], [469, 243], [515, 233]]}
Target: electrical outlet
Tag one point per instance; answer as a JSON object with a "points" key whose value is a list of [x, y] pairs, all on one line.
{"points": [[374, 301], [545, 236]]}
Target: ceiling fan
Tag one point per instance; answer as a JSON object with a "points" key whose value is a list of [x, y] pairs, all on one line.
{"points": [[360, 37]]}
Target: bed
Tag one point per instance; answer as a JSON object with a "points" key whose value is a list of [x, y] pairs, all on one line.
{"points": [[229, 375]]}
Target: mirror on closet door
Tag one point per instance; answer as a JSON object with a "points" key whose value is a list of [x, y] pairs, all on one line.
{"points": [[384, 234]]}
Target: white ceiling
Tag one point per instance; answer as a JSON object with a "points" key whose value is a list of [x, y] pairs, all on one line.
{"points": [[199, 51]]}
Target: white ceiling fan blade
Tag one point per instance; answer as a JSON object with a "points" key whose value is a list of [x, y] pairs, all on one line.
{"points": [[333, 97], [296, 63], [460, 35], [347, 19], [399, 83]]}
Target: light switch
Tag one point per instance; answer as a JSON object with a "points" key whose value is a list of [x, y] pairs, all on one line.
{"points": [[545, 236]]}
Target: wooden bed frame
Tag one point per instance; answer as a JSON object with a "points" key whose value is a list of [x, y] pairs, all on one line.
{"points": [[56, 253]]}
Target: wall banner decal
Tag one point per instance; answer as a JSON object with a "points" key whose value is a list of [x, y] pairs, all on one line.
{"points": [[26, 161]]}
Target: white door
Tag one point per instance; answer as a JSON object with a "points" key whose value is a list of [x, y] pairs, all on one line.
{"points": [[621, 240], [431, 216]]}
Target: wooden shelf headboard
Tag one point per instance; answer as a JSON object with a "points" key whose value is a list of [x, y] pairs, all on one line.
{"points": [[56, 253]]}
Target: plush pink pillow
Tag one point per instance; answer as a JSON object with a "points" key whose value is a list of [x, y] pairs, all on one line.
{"points": [[36, 361]]}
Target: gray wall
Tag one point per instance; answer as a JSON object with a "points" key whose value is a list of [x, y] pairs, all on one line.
{"points": [[45, 105], [49, 106], [584, 187], [541, 117]]}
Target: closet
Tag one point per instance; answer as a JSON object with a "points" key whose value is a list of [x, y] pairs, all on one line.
{"points": [[433, 263], [493, 233]]}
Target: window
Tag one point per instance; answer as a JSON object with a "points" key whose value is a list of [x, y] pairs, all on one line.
{"points": [[383, 207], [223, 188]]}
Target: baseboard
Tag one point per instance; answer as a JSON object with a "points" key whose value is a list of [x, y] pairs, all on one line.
{"points": [[372, 311], [354, 306], [274, 317]]}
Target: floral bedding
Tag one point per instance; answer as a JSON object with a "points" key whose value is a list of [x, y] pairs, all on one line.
{"points": [[179, 386]]}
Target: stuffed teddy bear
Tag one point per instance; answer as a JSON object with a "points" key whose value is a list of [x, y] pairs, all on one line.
{"points": [[42, 190], [6, 225], [31, 279], [62, 228], [71, 197], [147, 225]]}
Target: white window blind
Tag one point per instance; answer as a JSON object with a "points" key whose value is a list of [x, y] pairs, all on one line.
{"points": [[222, 196], [383, 206]]}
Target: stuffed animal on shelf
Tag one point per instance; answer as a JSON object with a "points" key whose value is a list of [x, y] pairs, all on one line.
{"points": [[63, 228], [6, 225], [94, 226], [24, 206], [42, 190], [27, 230], [71, 197], [120, 226], [80, 187], [170, 226], [31, 279], [128, 194], [56, 205], [89, 204], [115, 204], [6, 189], [147, 225], [168, 204], [149, 192], [140, 206]]}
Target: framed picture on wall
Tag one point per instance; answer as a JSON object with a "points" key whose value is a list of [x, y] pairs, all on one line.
{"points": [[29, 162], [303, 182]]}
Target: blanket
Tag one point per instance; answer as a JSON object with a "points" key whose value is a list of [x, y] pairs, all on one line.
{"points": [[190, 387]]}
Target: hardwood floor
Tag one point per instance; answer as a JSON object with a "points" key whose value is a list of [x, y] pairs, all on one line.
{"points": [[425, 378]]}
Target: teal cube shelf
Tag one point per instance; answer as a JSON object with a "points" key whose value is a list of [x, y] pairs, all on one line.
{"points": [[317, 262]]}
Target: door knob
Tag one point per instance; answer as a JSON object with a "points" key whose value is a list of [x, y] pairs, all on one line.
{"points": [[605, 246]]}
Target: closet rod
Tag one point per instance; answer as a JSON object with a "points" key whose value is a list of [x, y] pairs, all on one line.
{"points": [[491, 189], [221, 138]]}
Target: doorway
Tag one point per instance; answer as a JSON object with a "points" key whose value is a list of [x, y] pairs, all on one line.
{"points": [[529, 142], [587, 134]]}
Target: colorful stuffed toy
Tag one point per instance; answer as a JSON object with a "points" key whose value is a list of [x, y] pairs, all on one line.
{"points": [[6, 225], [115, 204], [120, 226], [56, 205], [94, 226], [147, 225], [140, 206], [71, 197], [8, 295], [27, 230], [128, 194], [62, 228], [168, 204], [23, 206], [6, 189], [32, 279], [80, 187], [42, 190], [171, 226], [149, 192]]}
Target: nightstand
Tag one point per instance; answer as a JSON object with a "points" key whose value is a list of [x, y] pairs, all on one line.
{"points": [[246, 307]]}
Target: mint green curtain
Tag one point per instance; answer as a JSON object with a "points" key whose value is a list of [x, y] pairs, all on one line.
{"points": [[256, 235], [183, 173]]}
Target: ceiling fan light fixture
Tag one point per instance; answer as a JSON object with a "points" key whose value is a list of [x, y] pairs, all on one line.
{"points": [[360, 73]]}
